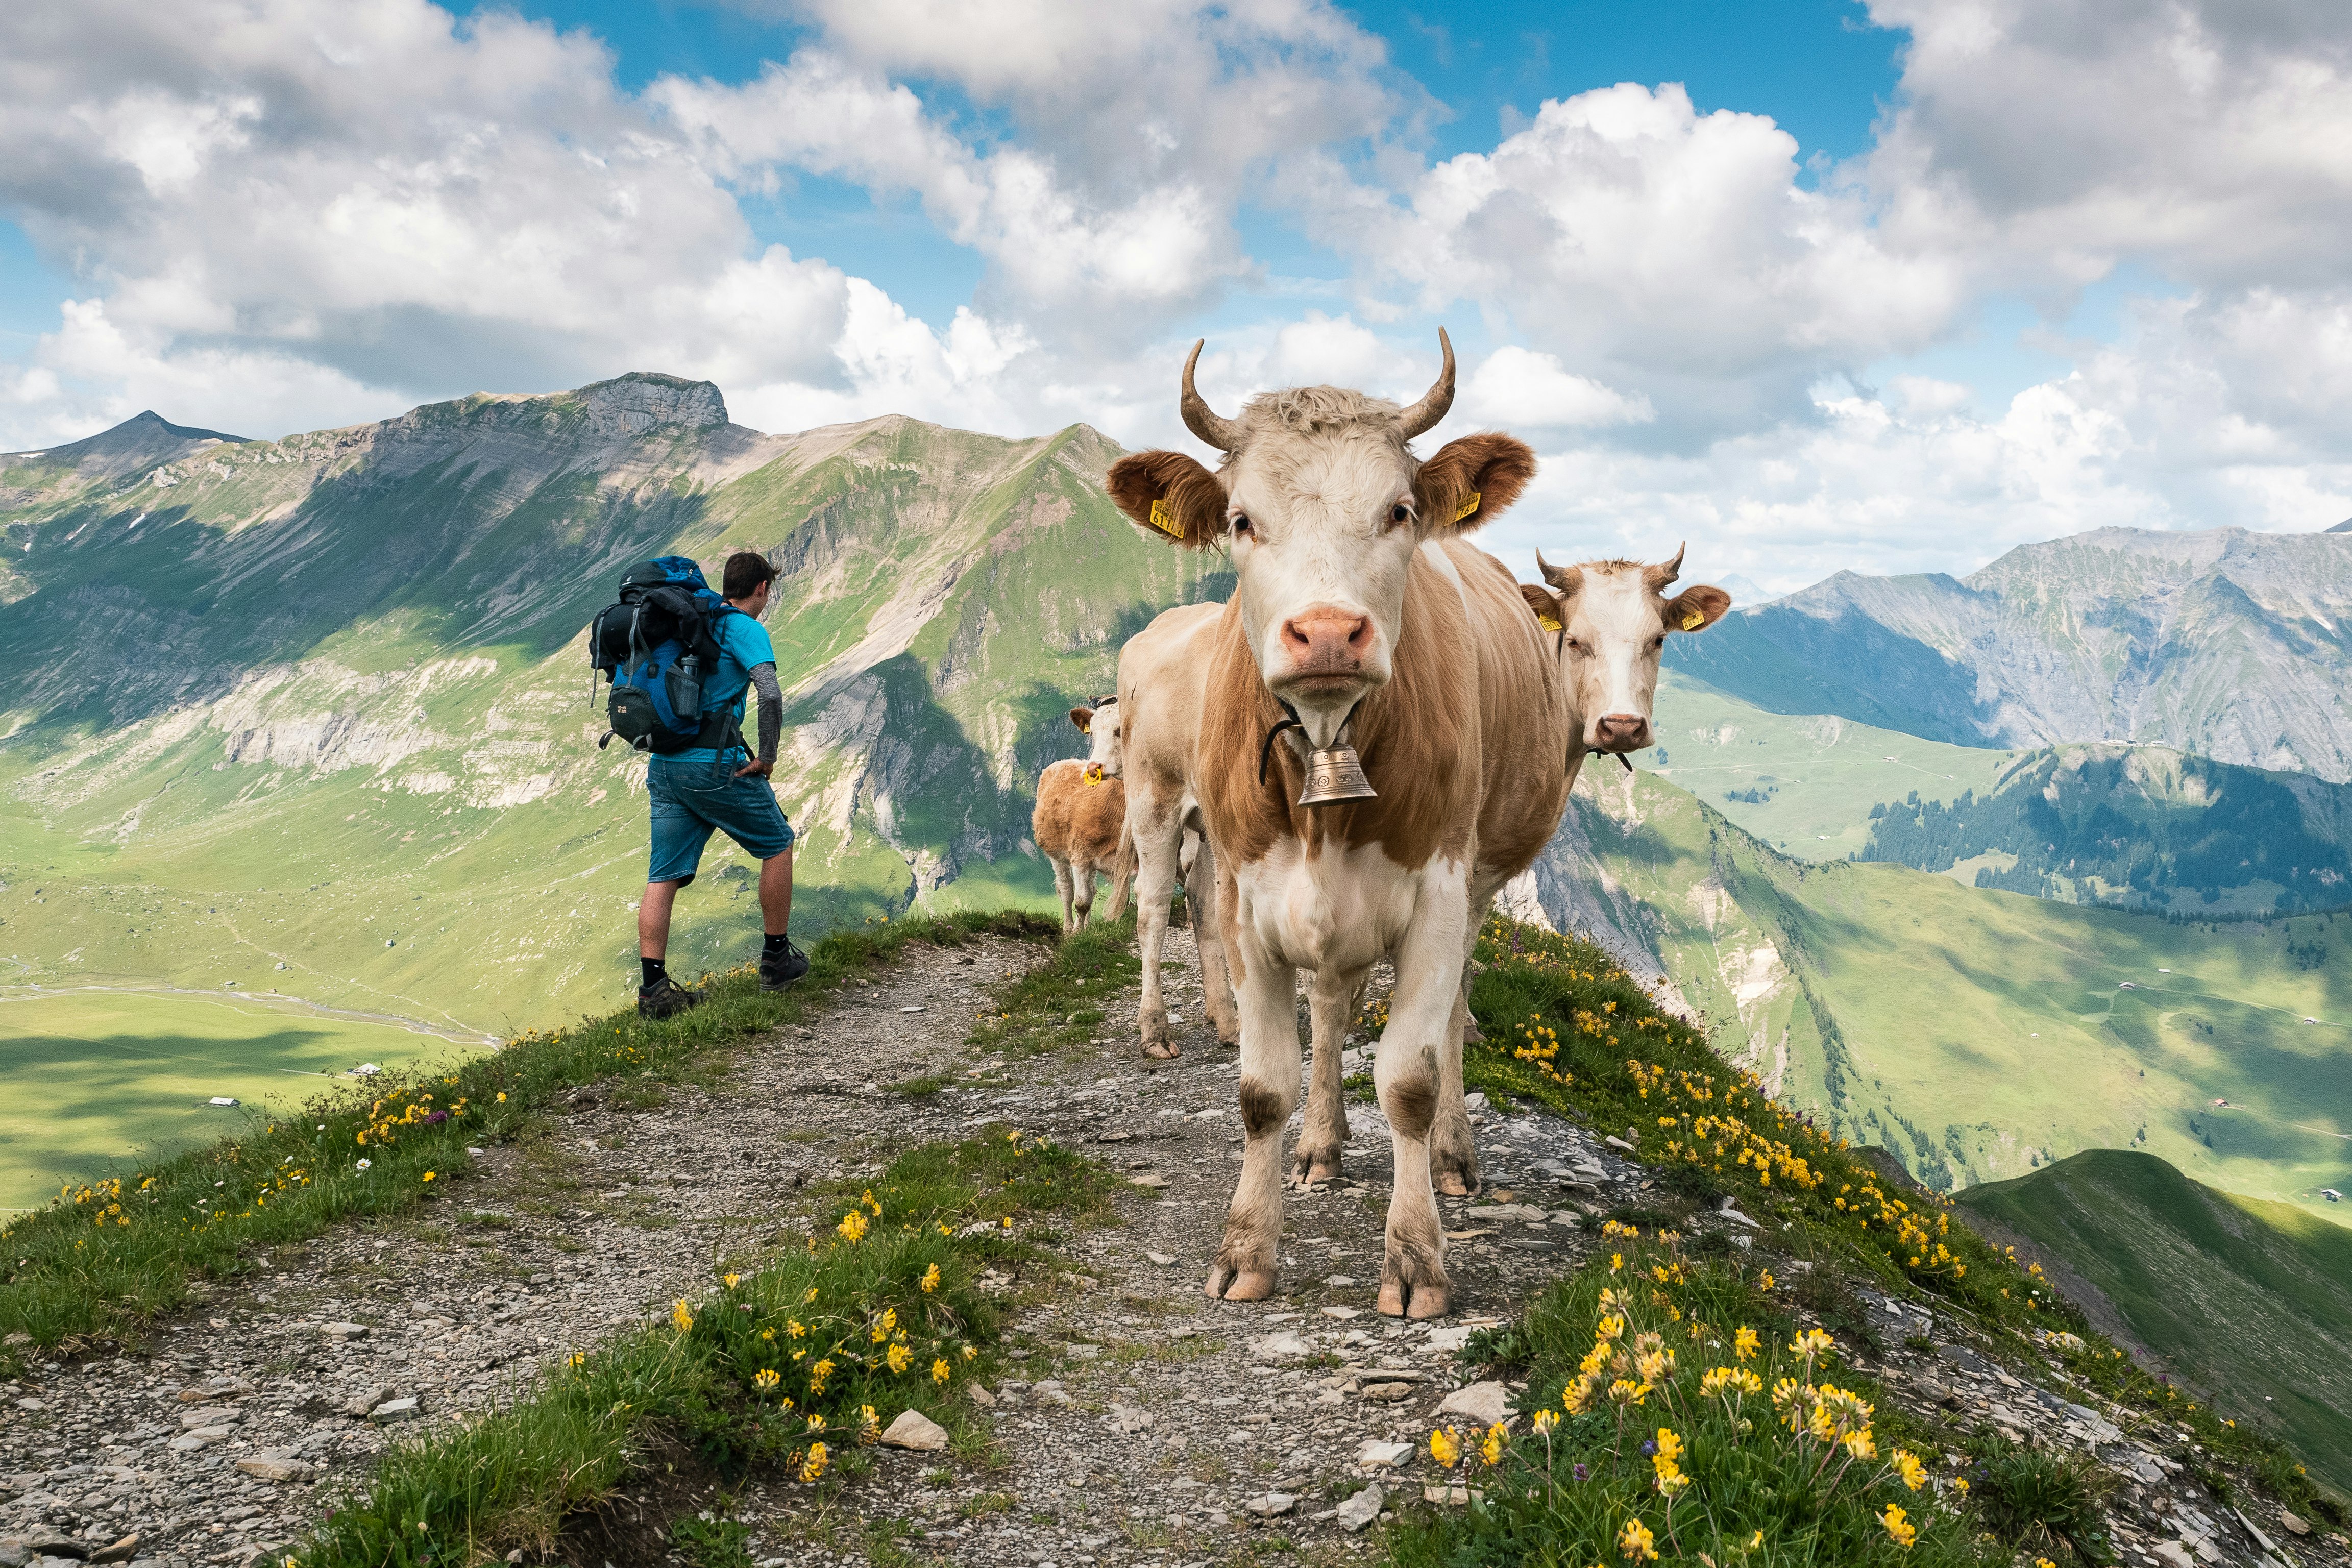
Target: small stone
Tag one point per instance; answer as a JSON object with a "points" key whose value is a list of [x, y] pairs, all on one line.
{"points": [[211, 1416], [1616, 1143], [1082, 1351], [1342, 1313], [1443, 1494], [50, 1543], [1281, 1347], [13, 1553], [277, 1470], [1130, 1418], [1273, 1505], [1162, 1258], [345, 1330], [406, 1409], [1383, 1455], [1359, 1512], [981, 1396], [31, 1406], [359, 1404], [1338, 1281], [1152, 1179], [1451, 1338], [1387, 1393], [1485, 1403], [186, 1443], [915, 1430], [2175, 1554], [122, 1551], [2293, 1524]]}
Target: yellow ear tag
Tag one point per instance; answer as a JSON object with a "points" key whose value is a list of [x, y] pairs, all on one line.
{"points": [[1469, 504], [1093, 775], [1165, 520], [1086, 730], [1548, 624], [1693, 619]]}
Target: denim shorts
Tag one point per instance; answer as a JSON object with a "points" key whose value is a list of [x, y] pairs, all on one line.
{"points": [[693, 800]]}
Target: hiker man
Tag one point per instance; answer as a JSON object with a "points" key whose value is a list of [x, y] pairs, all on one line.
{"points": [[724, 788]]}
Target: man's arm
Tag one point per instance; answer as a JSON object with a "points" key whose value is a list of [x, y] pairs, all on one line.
{"points": [[771, 718]]}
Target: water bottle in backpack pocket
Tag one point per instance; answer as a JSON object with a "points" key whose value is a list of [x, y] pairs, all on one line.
{"points": [[658, 646]]}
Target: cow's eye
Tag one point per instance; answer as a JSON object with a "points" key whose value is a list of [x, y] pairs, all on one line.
{"points": [[1657, 642], [1400, 513], [1239, 524], [1575, 646]]}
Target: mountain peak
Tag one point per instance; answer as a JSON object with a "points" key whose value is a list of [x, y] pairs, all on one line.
{"points": [[643, 399], [143, 441], [2344, 527]]}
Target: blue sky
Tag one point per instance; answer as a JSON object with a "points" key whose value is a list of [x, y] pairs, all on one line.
{"points": [[1885, 283]]}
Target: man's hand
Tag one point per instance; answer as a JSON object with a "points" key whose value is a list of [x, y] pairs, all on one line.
{"points": [[754, 769]]}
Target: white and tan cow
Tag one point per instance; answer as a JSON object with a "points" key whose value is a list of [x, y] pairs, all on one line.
{"points": [[1081, 820], [1159, 688], [1609, 622], [1360, 611]]}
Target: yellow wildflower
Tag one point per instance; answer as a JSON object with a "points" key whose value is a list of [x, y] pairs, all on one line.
{"points": [[899, 1358], [814, 1465], [1907, 1466], [1626, 1392], [683, 1316], [732, 1280], [1490, 1447], [1545, 1421], [1636, 1541], [852, 1226], [1444, 1448], [1898, 1526], [428, 1175], [1745, 1343], [766, 1379], [930, 1278], [941, 1371]]}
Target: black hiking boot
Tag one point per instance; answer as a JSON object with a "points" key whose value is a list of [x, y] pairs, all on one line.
{"points": [[778, 970], [665, 999]]}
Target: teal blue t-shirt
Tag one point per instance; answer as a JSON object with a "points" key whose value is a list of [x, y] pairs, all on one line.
{"points": [[742, 644]]}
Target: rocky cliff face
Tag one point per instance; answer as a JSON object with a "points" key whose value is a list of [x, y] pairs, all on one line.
{"points": [[2232, 645]]}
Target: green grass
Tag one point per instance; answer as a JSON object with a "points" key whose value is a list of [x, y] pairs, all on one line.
{"points": [[1566, 1029], [1624, 1375], [2250, 1302], [1819, 774], [883, 1300], [1060, 1005], [1976, 1034], [118, 1250], [98, 1077]]}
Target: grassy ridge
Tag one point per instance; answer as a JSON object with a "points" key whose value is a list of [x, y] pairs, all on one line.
{"points": [[1566, 1027], [1975, 1034], [2248, 1300], [112, 1254]]}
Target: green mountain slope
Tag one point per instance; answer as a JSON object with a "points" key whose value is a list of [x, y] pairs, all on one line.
{"points": [[2250, 1302], [1974, 1034], [314, 715], [2227, 643]]}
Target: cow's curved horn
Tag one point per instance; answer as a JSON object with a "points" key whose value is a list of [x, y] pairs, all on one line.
{"points": [[1567, 579], [1436, 400], [1200, 419], [1664, 572]]}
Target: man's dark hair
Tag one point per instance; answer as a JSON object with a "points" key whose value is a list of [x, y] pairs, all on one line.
{"points": [[746, 570]]}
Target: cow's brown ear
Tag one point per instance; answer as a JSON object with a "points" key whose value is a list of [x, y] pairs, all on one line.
{"points": [[1082, 718], [1172, 495], [1544, 603], [1471, 481], [1696, 609]]}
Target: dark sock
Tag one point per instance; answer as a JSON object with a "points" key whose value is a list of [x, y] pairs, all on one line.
{"points": [[776, 941], [656, 972]]}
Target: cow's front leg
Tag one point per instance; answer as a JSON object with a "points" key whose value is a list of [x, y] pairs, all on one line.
{"points": [[1409, 1078], [1330, 1002], [1453, 1153], [1082, 893], [1245, 1265], [1065, 885]]}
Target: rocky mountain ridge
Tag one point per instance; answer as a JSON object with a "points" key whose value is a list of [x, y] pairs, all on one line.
{"points": [[2224, 643]]}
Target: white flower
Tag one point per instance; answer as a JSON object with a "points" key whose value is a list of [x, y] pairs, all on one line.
{"points": [[365, 1164]]}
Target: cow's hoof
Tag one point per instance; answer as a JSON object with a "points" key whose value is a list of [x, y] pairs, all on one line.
{"points": [[1449, 1184], [1399, 1300], [1470, 1034], [1229, 1284], [1308, 1166], [1162, 1050]]}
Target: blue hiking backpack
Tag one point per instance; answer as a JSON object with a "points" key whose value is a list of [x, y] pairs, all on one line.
{"points": [[657, 647]]}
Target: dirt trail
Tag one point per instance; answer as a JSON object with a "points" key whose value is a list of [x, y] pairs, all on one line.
{"points": [[1135, 1422]]}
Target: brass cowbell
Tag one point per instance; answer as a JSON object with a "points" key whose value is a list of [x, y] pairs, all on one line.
{"points": [[1335, 774]]}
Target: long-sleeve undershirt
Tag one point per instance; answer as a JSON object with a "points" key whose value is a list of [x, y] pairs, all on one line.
{"points": [[771, 708]]}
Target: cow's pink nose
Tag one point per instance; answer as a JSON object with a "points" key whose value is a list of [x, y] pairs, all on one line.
{"points": [[1622, 732], [1327, 642]]}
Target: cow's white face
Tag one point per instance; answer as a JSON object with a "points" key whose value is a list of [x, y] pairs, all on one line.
{"points": [[1322, 528], [1102, 725], [1322, 505], [1610, 624]]}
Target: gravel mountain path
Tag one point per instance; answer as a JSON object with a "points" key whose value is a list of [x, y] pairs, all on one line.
{"points": [[1136, 1421]]}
